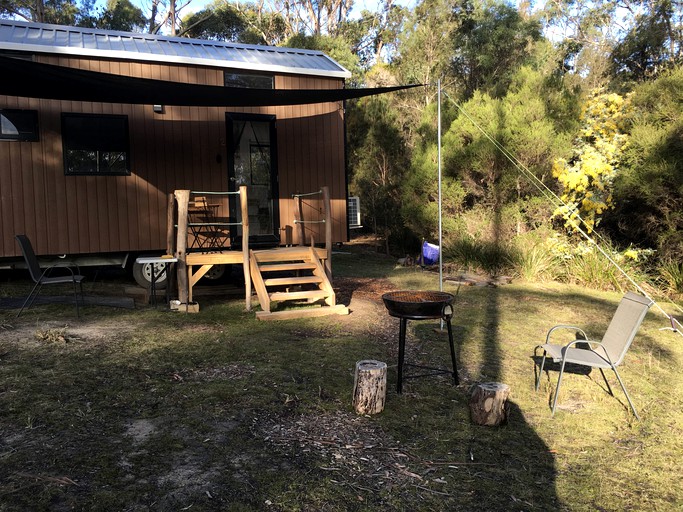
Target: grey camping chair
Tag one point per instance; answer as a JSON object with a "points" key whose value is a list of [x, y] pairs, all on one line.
{"points": [[608, 353], [41, 277]]}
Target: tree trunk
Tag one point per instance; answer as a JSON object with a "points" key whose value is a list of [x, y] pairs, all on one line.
{"points": [[488, 404], [370, 387]]}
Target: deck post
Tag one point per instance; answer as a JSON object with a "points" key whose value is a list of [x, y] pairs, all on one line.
{"points": [[298, 220], [170, 214], [328, 232], [170, 244], [183, 199], [244, 207]]}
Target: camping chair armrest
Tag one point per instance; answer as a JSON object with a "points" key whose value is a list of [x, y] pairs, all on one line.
{"points": [[593, 346], [570, 327], [69, 266]]}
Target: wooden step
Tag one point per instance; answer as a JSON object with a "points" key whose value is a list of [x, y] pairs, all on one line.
{"points": [[339, 309], [310, 294], [284, 281], [287, 254], [287, 267]]}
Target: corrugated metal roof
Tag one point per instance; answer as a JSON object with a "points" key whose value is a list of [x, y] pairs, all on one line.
{"points": [[57, 39]]}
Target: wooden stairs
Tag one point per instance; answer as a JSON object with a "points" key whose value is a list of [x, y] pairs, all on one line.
{"points": [[271, 273]]}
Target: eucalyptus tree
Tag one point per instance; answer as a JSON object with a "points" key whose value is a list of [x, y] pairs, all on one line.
{"points": [[380, 163], [375, 35], [311, 17], [425, 52], [59, 12], [489, 43], [653, 41], [115, 15], [584, 32]]}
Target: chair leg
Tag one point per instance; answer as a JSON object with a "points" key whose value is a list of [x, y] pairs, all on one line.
{"points": [[609, 388], [557, 389], [626, 393], [540, 370], [78, 311], [30, 298]]}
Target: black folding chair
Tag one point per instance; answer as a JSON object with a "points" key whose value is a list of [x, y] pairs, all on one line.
{"points": [[41, 277]]}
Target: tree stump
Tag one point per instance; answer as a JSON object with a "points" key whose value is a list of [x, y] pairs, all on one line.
{"points": [[369, 386], [488, 404]]}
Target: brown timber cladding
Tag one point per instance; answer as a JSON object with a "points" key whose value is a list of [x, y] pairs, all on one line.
{"points": [[183, 148]]}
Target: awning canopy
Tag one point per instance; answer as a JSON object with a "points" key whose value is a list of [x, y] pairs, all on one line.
{"points": [[37, 80]]}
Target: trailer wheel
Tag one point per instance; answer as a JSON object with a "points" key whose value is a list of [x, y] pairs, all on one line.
{"points": [[143, 275], [217, 273]]}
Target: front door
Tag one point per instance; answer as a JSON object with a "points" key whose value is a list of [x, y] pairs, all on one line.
{"points": [[252, 161]]}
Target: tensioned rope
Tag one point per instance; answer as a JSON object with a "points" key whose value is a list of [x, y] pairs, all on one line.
{"points": [[547, 193]]}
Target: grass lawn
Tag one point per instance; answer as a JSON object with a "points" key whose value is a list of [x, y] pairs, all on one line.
{"points": [[147, 409]]}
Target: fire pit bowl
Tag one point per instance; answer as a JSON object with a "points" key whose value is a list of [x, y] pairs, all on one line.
{"points": [[417, 305]]}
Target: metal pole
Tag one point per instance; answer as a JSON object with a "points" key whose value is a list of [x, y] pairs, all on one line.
{"points": [[438, 84]]}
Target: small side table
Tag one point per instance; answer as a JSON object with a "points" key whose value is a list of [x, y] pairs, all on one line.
{"points": [[157, 261]]}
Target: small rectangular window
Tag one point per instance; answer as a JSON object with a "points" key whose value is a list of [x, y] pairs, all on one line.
{"points": [[19, 125], [249, 80], [95, 144]]}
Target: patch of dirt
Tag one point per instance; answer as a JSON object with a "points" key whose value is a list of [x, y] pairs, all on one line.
{"points": [[368, 315], [355, 451], [57, 331], [228, 372], [139, 430]]}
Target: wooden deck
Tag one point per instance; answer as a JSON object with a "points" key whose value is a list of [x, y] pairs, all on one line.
{"points": [[262, 268], [214, 258]]}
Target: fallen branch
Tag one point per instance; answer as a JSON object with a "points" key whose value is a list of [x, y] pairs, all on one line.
{"points": [[432, 491], [62, 480]]}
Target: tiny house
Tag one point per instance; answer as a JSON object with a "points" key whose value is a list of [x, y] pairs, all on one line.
{"points": [[90, 178]]}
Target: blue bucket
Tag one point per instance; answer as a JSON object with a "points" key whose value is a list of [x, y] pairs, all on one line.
{"points": [[430, 253]]}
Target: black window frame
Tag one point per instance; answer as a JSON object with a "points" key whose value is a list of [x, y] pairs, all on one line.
{"points": [[248, 80], [26, 135], [85, 141]]}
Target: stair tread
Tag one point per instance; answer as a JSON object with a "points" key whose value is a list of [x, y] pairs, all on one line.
{"points": [[283, 281], [309, 294], [303, 313], [287, 266], [286, 254]]}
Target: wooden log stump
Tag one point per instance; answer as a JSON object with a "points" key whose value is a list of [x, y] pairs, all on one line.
{"points": [[488, 403], [369, 386]]}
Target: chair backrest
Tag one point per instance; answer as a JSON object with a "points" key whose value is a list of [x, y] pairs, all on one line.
{"points": [[624, 325], [29, 257], [200, 202]]}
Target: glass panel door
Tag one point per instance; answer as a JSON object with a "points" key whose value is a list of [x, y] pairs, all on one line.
{"points": [[252, 162]]}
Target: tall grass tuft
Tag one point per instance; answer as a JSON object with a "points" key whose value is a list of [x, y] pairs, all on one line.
{"points": [[536, 263], [480, 255], [670, 276], [593, 270]]}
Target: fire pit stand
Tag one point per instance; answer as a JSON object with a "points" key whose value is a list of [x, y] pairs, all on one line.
{"points": [[420, 305]]}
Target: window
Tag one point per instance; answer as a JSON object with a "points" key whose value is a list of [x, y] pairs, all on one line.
{"points": [[19, 125], [249, 80], [95, 144]]}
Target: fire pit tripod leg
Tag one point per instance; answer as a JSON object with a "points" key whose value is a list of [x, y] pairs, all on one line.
{"points": [[450, 342], [401, 354]]}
